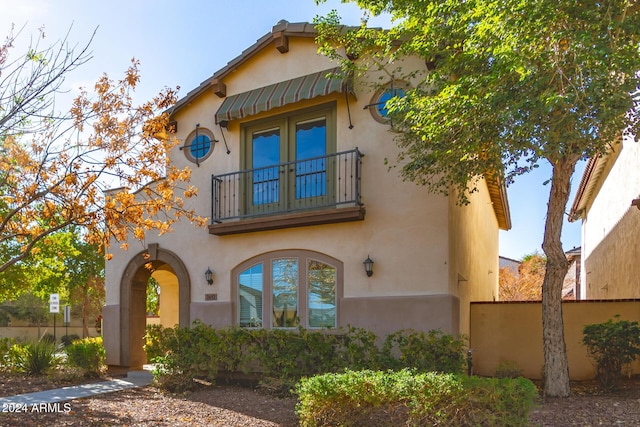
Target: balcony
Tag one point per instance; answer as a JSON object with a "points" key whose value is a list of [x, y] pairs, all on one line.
{"points": [[313, 191]]}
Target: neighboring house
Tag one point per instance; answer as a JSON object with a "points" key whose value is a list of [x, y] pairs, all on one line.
{"points": [[571, 286], [291, 167], [607, 202], [511, 264], [514, 279]]}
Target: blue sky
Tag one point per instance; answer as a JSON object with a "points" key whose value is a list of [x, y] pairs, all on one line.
{"points": [[183, 43]]}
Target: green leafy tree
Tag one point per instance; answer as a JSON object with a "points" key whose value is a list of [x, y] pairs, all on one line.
{"points": [[84, 268], [63, 263], [33, 308], [153, 297], [507, 85]]}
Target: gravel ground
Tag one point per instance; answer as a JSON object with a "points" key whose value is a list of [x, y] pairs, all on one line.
{"points": [[234, 406]]}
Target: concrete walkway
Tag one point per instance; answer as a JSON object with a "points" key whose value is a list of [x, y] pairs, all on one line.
{"points": [[133, 379]]}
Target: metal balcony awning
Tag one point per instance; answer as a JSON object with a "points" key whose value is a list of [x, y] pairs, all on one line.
{"points": [[279, 94]]}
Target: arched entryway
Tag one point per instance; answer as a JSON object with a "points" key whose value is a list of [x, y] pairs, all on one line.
{"points": [[133, 287]]}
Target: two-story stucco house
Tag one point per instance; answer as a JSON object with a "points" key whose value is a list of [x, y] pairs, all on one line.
{"points": [[291, 166], [607, 202]]}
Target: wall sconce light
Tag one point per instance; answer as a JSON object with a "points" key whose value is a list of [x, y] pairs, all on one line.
{"points": [[368, 266], [209, 276]]}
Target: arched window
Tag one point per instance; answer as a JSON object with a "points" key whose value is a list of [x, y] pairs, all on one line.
{"points": [[288, 289]]}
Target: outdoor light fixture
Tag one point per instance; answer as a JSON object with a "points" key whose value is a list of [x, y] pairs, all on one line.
{"points": [[209, 276], [368, 266]]}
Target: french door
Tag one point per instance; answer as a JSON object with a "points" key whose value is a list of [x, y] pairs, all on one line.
{"points": [[290, 163]]}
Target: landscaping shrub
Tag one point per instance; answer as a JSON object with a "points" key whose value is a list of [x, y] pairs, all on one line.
{"points": [[156, 340], [32, 358], [358, 349], [281, 357], [49, 338], [406, 397], [508, 369], [431, 351], [5, 345], [182, 354], [87, 354], [612, 345], [68, 339], [497, 401]]}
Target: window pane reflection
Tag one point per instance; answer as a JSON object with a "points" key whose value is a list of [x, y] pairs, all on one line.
{"points": [[266, 177], [251, 297], [311, 142], [322, 295], [285, 292]]}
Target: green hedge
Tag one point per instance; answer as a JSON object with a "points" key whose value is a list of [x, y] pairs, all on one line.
{"points": [[288, 355], [410, 398], [87, 354], [612, 345]]}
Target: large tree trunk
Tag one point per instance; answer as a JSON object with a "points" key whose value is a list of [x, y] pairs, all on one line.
{"points": [[556, 367]]}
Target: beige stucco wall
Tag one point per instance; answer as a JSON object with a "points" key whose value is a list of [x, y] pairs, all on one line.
{"points": [[397, 211], [168, 309], [611, 226], [406, 230], [512, 332], [473, 249], [30, 333]]}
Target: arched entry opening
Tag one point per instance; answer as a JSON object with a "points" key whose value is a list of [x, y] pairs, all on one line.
{"points": [[164, 266], [162, 296]]}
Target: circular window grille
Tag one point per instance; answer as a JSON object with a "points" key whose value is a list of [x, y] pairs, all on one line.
{"points": [[198, 145], [378, 104]]}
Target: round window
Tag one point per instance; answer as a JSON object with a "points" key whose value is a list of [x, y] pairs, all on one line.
{"points": [[378, 104], [199, 145]]}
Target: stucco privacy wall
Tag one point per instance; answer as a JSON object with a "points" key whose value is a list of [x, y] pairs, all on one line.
{"points": [[512, 332], [611, 226]]}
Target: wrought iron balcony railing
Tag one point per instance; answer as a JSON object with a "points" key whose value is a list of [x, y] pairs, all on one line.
{"points": [[324, 182]]}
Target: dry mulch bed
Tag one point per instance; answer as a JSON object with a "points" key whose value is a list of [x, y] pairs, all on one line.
{"points": [[241, 406], [148, 406], [589, 406]]}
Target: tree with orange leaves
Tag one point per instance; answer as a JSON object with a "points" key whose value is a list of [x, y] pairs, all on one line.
{"points": [[55, 167], [525, 284]]}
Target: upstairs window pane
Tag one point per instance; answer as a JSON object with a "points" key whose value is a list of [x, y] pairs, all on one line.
{"points": [[311, 143]]}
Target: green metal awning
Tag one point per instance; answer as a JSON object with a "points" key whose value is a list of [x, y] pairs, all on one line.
{"points": [[283, 93]]}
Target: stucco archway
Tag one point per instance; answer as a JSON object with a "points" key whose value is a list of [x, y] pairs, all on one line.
{"points": [[133, 287]]}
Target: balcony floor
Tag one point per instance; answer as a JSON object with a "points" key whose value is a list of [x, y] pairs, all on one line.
{"points": [[288, 220]]}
